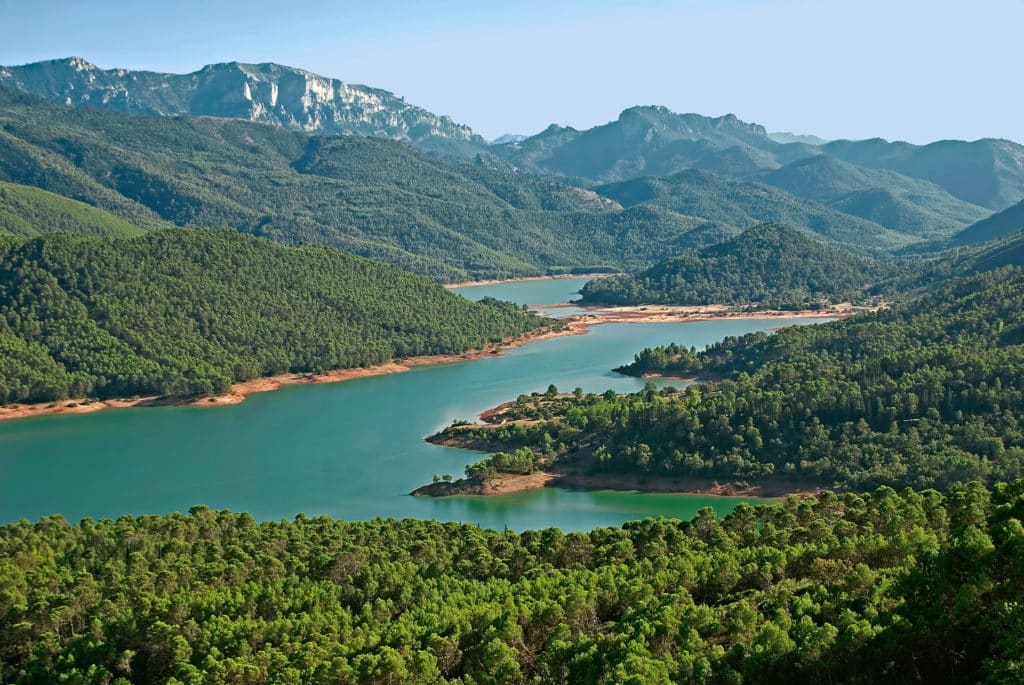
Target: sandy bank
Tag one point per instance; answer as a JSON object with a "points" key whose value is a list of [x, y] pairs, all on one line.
{"points": [[676, 314], [239, 391], [503, 485], [508, 484]]}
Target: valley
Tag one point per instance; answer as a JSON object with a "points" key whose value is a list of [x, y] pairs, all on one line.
{"points": [[351, 450], [304, 382]]}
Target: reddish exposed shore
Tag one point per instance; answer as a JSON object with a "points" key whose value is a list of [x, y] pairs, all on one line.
{"points": [[239, 391], [508, 484]]}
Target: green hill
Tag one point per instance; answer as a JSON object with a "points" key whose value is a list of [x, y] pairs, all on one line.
{"points": [[743, 204], [924, 394], [653, 141], [920, 274], [373, 197], [1006, 252], [904, 204], [27, 212], [999, 225], [770, 266], [988, 172], [190, 312]]}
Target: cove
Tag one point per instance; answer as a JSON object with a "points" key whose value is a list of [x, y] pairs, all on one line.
{"points": [[349, 450]]}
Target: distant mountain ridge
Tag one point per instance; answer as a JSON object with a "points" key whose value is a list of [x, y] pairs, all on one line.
{"points": [[747, 204], [788, 137], [292, 98], [988, 172], [374, 197], [902, 203], [999, 225], [652, 141], [642, 141]]}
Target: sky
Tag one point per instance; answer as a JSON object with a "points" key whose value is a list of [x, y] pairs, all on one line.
{"points": [[900, 69]]}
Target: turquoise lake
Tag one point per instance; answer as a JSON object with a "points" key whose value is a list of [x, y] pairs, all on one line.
{"points": [[350, 450]]}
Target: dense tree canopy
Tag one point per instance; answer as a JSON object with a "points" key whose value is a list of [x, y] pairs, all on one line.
{"points": [[885, 587], [189, 312], [27, 212], [769, 266], [747, 204], [924, 394]]}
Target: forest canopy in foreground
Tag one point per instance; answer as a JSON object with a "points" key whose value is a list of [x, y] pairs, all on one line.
{"points": [[879, 588], [924, 394], [189, 312]]}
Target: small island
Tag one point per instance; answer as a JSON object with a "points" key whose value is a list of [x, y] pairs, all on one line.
{"points": [[529, 463]]}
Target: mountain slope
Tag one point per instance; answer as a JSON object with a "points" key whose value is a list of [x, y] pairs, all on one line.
{"points": [[987, 172], [770, 265], [27, 212], [377, 198], [998, 225], [189, 312], [1006, 252], [652, 141], [745, 204], [268, 93], [899, 202]]}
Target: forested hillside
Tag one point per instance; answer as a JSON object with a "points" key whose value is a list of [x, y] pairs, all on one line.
{"points": [[902, 203], [26, 212], [771, 266], [652, 141], [373, 197], [924, 394], [879, 588], [190, 312], [745, 204], [918, 274], [999, 225], [987, 172]]}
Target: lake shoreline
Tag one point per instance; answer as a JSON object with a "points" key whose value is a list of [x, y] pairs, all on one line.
{"points": [[507, 484], [239, 391], [575, 325], [523, 279], [685, 314]]}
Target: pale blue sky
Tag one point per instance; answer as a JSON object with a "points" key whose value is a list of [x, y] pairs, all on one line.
{"points": [[901, 69]]}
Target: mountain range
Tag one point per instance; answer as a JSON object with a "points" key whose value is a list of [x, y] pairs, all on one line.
{"points": [[642, 141], [290, 155], [268, 93], [374, 197]]}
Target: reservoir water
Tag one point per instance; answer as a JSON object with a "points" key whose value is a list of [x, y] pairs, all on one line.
{"points": [[350, 450]]}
